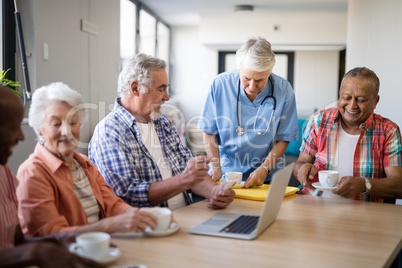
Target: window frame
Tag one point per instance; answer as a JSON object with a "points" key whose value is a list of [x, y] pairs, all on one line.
{"points": [[141, 6], [9, 40]]}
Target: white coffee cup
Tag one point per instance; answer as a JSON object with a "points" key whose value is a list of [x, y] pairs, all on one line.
{"points": [[163, 216], [328, 178], [233, 177], [92, 245]]}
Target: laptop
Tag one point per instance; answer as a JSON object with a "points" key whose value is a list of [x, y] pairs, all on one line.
{"points": [[246, 226]]}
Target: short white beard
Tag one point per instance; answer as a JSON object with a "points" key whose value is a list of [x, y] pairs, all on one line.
{"points": [[156, 115]]}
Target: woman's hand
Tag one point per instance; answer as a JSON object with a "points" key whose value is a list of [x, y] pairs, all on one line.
{"points": [[216, 173], [132, 220], [256, 178]]}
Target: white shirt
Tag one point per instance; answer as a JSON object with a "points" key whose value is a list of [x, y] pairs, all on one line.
{"points": [[344, 164], [152, 143]]}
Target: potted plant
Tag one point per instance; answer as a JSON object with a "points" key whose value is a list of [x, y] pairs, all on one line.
{"points": [[9, 83]]}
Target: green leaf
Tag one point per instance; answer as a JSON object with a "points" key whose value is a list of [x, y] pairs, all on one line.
{"points": [[16, 92], [9, 83]]}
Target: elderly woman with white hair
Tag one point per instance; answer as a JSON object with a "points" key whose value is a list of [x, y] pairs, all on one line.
{"points": [[59, 189], [249, 116]]}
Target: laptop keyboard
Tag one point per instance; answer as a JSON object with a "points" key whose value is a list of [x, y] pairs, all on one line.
{"points": [[244, 224]]}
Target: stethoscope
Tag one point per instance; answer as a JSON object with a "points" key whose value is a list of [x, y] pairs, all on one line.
{"points": [[240, 130]]}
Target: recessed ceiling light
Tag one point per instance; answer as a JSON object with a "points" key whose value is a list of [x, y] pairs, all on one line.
{"points": [[244, 8]]}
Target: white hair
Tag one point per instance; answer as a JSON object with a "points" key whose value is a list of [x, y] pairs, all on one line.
{"points": [[256, 55], [46, 95], [138, 68]]}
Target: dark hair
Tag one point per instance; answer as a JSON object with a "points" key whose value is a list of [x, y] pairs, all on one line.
{"points": [[366, 74]]}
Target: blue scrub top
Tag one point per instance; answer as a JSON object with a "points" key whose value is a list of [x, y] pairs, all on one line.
{"points": [[247, 152]]}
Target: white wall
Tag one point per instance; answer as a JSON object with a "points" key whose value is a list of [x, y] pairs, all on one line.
{"points": [[316, 80], [375, 41], [195, 54], [88, 63], [295, 28], [194, 66]]}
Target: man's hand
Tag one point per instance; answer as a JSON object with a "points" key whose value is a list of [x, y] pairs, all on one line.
{"points": [[61, 239], [196, 171], [348, 187], [305, 174], [220, 198], [59, 257], [256, 178], [44, 255]]}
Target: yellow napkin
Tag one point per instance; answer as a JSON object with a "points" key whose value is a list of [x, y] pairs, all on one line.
{"points": [[259, 193]]}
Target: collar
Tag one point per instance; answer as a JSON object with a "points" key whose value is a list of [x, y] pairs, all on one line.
{"points": [[368, 123], [53, 162], [335, 115], [267, 91], [125, 115]]}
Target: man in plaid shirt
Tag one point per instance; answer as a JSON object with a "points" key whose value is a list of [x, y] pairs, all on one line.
{"points": [[363, 146], [139, 152]]}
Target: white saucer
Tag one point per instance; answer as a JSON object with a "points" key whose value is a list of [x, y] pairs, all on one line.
{"points": [[238, 186], [318, 186], [174, 228], [113, 254]]}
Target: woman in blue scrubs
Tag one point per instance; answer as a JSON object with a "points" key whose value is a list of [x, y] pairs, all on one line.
{"points": [[249, 116]]}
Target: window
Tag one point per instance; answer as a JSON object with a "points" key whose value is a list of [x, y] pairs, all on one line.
{"points": [[142, 31], [163, 38], [128, 15], [8, 39], [147, 33]]}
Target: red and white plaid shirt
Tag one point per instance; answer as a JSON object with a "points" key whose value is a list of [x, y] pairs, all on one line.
{"points": [[378, 147]]}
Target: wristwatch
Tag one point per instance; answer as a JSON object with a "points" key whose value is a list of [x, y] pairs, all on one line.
{"points": [[266, 168], [367, 183]]}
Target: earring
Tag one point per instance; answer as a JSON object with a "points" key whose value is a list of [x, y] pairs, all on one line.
{"points": [[41, 140]]}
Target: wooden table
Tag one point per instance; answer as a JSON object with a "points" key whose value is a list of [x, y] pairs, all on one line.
{"points": [[309, 232]]}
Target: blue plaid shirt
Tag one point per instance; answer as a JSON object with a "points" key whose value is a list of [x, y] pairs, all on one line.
{"points": [[117, 151]]}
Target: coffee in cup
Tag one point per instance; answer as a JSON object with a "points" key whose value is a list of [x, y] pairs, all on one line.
{"points": [[92, 245], [328, 178]]}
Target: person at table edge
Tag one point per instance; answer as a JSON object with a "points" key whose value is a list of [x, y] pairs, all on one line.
{"points": [[16, 250], [139, 152], [249, 116], [363, 146]]}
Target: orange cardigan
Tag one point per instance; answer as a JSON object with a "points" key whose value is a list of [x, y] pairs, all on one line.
{"points": [[47, 203]]}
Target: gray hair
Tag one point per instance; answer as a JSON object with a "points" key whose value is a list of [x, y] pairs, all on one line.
{"points": [[256, 55], [363, 73], [138, 68], [46, 95]]}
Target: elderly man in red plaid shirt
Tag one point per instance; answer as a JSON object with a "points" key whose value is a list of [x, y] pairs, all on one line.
{"points": [[363, 146]]}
